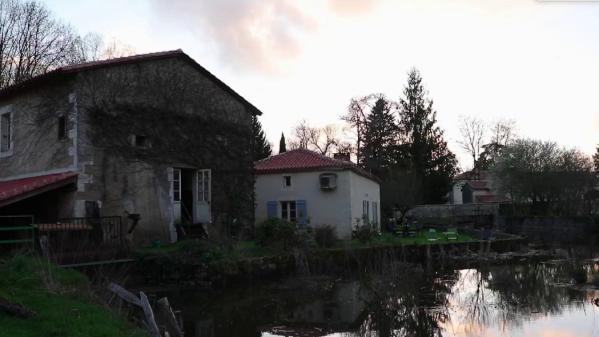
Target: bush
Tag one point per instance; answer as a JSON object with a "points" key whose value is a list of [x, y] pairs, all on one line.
{"points": [[325, 236], [578, 274], [304, 240], [364, 233], [276, 232]]}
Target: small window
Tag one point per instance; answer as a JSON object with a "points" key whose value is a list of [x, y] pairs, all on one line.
{"points": [[366, 209], [141, 141], [204, 185], [62, 127], [288, 211], [375, 213], [286, 181], [5, 132]]}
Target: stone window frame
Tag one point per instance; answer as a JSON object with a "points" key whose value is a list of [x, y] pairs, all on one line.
{"points": [[11, 132]]}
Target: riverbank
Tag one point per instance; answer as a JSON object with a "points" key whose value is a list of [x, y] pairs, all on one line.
{"points": [[204, 264], [61, 301]]}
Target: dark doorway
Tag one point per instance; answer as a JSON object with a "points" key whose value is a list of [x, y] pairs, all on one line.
{"points": [[187, 209], [466, 194]]}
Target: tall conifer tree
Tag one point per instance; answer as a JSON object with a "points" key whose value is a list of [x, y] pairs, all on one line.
{"points": [[379, 138], [282, 146], [424, 149], [262, 148]]}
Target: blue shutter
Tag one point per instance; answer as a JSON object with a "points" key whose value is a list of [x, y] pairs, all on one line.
{"points": [[271, 209], [302, 212]]}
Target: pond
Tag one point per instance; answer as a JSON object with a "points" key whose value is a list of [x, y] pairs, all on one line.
{"points": [[517, 300]]}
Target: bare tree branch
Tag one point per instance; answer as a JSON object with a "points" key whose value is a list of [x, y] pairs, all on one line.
{"points": [[472, 130]]}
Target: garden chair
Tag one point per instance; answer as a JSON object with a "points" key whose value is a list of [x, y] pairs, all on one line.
{"points": [[431, 235], [451, 234], [412, 229]]}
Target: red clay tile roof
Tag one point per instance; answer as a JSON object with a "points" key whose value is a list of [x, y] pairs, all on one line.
{"points": [[491, 198], [479, 184], [471, 175], [75, 68], [18, 187], [306, 160]]}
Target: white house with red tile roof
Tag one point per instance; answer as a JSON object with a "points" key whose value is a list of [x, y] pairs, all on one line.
{"points": [[312, 190], [475, 186]]}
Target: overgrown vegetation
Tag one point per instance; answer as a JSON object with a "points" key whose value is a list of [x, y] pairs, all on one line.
{"points": [[61, 300], [549, 179], [325, 236], [364, 233], [268, 243], [276, 233], [402, 143]]}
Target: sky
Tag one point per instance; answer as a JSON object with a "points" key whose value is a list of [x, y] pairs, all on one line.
{"points": [[534, 61]]}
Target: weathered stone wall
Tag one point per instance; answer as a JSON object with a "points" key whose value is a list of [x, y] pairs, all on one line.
{"points": [[136, 97], [124, 178], [35, 145], [444, 215], [557, 230]]}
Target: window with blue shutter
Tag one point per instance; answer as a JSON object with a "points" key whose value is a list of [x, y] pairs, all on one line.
{"points": [[271, 209], [302, 212]]}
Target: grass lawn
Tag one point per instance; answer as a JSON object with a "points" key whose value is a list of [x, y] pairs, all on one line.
{"points": [[61, 299], [388, 239]]}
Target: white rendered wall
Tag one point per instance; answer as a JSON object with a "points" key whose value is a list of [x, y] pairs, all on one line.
{"points": [[323, 207], [364, 189]]}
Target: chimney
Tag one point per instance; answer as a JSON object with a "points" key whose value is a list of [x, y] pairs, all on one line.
{"points": [[342, 156]]}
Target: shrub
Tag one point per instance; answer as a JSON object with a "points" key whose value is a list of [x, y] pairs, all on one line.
{"points": [[578, 274], [325, 236], [364, 233], [276, 232], [304, 240]]}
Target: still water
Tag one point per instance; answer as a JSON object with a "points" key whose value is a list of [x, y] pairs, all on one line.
{"points": [[521, 300]]}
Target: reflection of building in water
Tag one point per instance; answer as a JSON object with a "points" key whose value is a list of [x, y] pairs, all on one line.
{"points": [[340, 311]]}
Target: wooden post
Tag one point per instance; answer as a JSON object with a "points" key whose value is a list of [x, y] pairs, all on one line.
{"points": [[149, 314], [167, 311], [124, 294]]}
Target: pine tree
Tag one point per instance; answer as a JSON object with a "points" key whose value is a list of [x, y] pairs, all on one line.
{"points": [[282, 146], [379, 138], [261, 146], [424, 150]]}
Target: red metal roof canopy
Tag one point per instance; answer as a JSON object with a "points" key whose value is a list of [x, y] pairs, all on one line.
{"points": [[19, 189]]}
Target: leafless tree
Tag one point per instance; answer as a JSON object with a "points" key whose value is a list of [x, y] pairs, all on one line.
{"points": [[356, 115], [472, 131], [503, 131], [301, 136], [93, 47], [89, 48], [116, 48], [32, 41], [324, 140]]}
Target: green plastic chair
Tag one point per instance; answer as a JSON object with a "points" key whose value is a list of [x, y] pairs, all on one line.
{"points": [[451, 234], [431, 235]]}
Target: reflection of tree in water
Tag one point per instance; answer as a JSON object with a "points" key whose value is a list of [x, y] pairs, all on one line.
{"points": [[408, 303], [508, 295], [402, 301]]}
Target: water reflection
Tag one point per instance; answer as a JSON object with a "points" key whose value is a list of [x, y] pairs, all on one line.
{"points": [[523, 300]]}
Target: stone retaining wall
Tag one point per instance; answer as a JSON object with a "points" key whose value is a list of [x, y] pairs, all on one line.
{"points": [[552, 229], [156, 270]]}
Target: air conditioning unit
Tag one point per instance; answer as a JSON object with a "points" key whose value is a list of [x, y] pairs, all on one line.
{"points": [[328, 181]]}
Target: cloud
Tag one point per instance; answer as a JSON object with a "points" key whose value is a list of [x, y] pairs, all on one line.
{"points": [[246, 34], [352, 7]]}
